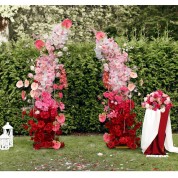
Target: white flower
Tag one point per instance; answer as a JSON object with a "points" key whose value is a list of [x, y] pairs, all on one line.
{"points": [[106, 68], [32, 67], [37, 112], [57, 60], [162, 109], [145, 99], [147, 106], [168, 99], [65, 49], [59, 53]]}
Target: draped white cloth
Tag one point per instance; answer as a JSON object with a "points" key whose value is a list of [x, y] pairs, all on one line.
{"points": [[150, 131]]}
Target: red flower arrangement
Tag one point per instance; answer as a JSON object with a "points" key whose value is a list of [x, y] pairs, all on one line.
{"points": [[118, 115], [120, 121], [46, 123]]}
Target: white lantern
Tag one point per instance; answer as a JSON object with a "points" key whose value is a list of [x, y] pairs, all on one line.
{"points": [[4, 142], [8, 130]]}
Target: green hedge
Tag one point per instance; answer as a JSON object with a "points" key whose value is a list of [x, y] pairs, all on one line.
{"points": [[157, 65], [15, 59]]}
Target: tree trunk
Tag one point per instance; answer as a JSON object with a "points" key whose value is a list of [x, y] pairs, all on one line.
{"points": [[4, 30]]}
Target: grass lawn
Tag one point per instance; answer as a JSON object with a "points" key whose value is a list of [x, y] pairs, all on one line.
{"points": [[81, 154]]}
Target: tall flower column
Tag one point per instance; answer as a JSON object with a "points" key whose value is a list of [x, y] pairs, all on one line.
{"points": [[47, 111], [118, 115]]}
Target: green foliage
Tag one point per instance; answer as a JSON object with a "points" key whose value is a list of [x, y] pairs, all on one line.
{"points": [[156, 62], [15, 59], [84, 78], [117, 20], [85, 84]]}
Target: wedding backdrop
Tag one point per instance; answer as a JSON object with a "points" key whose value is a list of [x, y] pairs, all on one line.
{"points": [[91, 84]]}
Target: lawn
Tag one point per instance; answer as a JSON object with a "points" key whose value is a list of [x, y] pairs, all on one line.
{"points": [[81, 154]]}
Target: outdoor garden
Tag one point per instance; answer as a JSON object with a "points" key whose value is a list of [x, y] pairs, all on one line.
{"points": [[76, 82]]}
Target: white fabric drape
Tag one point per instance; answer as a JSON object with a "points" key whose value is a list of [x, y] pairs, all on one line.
{"points": [[150, 131]]}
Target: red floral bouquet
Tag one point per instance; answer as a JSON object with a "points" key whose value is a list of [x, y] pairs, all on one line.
{"points": [[157, 100]]}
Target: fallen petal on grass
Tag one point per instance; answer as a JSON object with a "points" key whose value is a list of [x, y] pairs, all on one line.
{"points": [[100, 154]]}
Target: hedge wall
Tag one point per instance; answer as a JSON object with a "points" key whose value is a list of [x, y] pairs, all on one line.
{"points": [[157, 68]]}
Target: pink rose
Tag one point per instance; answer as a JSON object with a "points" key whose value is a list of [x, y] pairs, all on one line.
{"points": [[106, 137], [30, 75], [39, 44], [133, 75], [61, 106], [19, 84], [38, 104], [60, 118], [23, 94], [67, 23], [102, 117], [60, 95], [32, 93], [100, 35], [34, 86], [56, 145], [56, 126], [27, 83], [131, 86]]}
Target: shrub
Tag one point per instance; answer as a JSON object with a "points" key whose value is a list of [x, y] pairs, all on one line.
{"points": [[156, 62], [157, 66], [14, 65]]}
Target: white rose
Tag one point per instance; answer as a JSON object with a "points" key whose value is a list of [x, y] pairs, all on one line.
{"points": [[65, 49], [162, 109], [147, 106], [106, 68], [145, 99], [57, 60], [168, 99], [37, 112], [59, 53]]}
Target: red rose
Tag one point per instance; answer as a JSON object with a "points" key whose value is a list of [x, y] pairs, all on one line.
{"points": [[41, 124], [53, 112], [110, 145], [36, 146], [59, 132], [47, 144], [131, 145], [44, 114], [55, 86], [31, 113], [31, 122], [66, 23], [39, 136], [49, 136], [132, 132], [39, 44], [48, 127], [25, 126], [62, 144], [137, 125], [24, 112], [123, 140]]}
